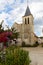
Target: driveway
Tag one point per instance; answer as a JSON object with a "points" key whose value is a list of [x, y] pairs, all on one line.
{"points": [[36, 55]]}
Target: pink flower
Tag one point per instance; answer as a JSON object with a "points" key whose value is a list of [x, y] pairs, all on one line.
{"points": [[4, 36]]}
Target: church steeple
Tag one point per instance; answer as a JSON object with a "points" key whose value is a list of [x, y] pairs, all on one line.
{"points": [[27, 13]]}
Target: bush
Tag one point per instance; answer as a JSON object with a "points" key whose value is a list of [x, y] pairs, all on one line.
{"points": [[21, 57], [16, 56], [29, 45], [36, 44]]}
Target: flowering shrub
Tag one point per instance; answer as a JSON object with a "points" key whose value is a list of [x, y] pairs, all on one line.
{"points": [[5, 36]]}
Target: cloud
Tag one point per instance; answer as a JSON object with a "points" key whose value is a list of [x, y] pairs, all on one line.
{"points": [[36, 9], [3, 4], [36, 1], [38, 30], [38, 21], [16, 14], [3, 16]]}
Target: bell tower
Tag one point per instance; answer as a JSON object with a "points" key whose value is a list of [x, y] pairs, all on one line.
{"points": [[28, 27]]}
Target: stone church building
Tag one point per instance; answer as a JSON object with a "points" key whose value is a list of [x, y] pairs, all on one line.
{"points": [[26, 29]]}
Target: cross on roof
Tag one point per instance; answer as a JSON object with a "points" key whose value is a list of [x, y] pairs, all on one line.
{"points": [[27, 2]]}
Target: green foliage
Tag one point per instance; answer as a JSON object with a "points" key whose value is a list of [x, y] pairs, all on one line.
{"points": [[20, 57], [15, 34], [16, 56], [1, 28]]}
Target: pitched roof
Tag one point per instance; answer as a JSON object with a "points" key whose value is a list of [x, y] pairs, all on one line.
{"points": [[27, 13]]}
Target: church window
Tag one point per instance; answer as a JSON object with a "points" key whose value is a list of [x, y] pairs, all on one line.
{"points": [[25, 20], [28, 20]]}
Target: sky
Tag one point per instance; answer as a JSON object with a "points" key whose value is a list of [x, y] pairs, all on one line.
{"points": [[12, 11]]}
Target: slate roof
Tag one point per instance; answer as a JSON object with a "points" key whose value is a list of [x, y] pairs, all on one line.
{"points": [[27, 13]]}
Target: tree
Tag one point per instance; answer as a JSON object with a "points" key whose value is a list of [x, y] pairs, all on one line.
{"points": [[15, 34], [7, 34], [1, 28]]}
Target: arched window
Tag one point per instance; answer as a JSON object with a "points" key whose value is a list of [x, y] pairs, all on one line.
{"points": [[28, 20], [25, 20]]}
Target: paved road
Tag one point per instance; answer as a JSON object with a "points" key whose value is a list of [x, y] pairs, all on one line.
{"points": [[36, 55]]}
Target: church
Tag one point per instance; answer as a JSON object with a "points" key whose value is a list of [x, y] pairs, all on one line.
{"points": [[26, 29]]}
